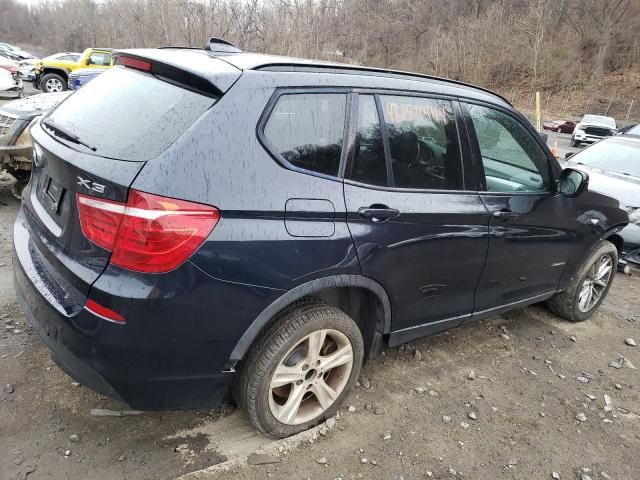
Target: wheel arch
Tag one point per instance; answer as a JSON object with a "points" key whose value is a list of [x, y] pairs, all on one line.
{"points": [[612, 235], [616, 239], [358, 296], [57, 70]]}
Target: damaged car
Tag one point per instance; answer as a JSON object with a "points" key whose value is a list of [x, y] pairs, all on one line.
{"points": [[593, 128], [16, 119], [10, 81]]}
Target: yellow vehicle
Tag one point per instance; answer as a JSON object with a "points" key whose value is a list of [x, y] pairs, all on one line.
{"points": [[52, 74]]}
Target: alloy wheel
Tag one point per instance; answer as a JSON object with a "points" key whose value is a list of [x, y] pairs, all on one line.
{"points": [[310, 377], [595, 284], [54, 85]]}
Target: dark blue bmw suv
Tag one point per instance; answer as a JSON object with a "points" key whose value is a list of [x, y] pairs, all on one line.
{"points": [[205, 222]]}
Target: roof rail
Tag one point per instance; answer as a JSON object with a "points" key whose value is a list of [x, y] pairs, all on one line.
{"points": [[219, 45], [356, 69]]}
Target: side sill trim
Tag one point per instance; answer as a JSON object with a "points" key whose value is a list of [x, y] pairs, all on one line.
{"points": [[406, 335], [508, 306]]}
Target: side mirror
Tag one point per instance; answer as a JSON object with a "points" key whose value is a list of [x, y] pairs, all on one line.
{"points": [[572, 182], [544, 137], [569, 155]]}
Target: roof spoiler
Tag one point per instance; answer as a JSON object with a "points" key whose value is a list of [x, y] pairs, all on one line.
{"points": [[219, 45], [212, 77]]}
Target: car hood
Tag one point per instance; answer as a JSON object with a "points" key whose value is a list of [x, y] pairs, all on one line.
{"points": [[27, 108], [59, 63], [623, 188], [597, 124]]}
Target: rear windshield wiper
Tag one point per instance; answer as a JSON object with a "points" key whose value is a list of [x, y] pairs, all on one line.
{"points": [[61, 132]]}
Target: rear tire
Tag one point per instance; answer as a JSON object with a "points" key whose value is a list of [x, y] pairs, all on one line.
{"points": [[596, 274], [291, 361], [52, 82]]}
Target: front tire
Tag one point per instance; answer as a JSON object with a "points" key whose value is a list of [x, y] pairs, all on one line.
{"points": [[52, 82], [299, 371], [589, 287], [574, 143]]}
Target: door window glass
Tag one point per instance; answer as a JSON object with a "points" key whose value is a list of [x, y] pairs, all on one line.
{"points": [[100, 58], [423, 143], [512, 159], [368, 164], [307, 130]]}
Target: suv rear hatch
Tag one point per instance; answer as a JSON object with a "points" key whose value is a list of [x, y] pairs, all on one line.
{"points": [[93, 145]]}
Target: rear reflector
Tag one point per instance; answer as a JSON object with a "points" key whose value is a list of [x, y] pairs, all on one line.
{"points": [[149, 233], [135, 63], [104, 312]]}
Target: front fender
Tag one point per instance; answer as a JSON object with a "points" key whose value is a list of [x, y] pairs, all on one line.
{"points": [[306, 289]]}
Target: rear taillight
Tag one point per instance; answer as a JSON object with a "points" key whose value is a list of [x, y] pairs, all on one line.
{"points": [[149, 233], [135, 63]]}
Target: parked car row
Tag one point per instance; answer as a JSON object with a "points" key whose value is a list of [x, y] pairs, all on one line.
{"points": [[53, 74]]}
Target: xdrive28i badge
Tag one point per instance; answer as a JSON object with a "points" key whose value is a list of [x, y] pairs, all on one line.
{"points": [[89, 185]]}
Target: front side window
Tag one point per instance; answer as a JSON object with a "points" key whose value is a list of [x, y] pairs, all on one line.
{"points": [[307, 130], [512, 159], [423, 143]]}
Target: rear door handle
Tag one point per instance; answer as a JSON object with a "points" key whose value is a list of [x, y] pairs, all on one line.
{"points": [[505, 214], [378, 213]]}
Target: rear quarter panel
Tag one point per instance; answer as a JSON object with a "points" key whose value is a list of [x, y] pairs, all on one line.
{"points": [[221, 162]]}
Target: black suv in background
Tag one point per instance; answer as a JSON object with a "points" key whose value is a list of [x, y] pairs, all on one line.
{"points": [[207, 221]]}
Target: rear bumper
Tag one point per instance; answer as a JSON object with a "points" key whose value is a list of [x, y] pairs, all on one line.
{"points": [[58, 337], [173, 350], [16, 88]]}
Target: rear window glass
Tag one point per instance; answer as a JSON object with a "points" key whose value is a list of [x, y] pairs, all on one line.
{"points": [[307, 130], [130, 115]]}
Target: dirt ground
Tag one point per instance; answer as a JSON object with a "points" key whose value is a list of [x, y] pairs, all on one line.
{"points": [[524, 376]]}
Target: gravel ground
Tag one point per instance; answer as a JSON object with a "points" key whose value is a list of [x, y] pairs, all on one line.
{"points": [[517, 396]]}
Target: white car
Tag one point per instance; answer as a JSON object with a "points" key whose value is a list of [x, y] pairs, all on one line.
{"points": [[10, 81], [593, 128]]}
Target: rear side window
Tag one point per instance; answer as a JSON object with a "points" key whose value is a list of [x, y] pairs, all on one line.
{"points": [[368, 164], [423, 143], [307, 130], [129, 115]]}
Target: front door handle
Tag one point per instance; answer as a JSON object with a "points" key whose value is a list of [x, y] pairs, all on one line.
{"points": [[505, 214], [378, 213]]}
